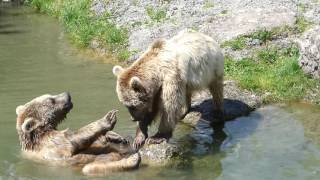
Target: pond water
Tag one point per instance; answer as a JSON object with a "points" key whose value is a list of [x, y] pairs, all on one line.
{"points": [[274, 142]]}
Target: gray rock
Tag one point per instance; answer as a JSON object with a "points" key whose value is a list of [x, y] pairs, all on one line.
{"points": [[311, 10], [309, 46], [98, 7], [221, 19], [243, 21], [159, 154]]}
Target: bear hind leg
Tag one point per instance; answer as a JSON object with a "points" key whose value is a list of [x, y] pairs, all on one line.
{"points": [[216, 90], [111, 162]]}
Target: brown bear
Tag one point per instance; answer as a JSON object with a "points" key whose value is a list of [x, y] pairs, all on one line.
{"points": [[94, 147], [163, 79]]}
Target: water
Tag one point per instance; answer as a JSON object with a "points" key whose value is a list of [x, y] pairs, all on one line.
{"points": [[275, 142]]}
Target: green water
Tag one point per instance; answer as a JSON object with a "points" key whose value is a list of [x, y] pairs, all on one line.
{"points": [[275, 142]]}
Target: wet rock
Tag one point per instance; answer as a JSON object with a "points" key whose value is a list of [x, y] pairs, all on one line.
{"points": [[159, 154], [309, 46]]}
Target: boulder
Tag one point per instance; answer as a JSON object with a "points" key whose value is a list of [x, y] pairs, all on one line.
{"points": [[309, 45]]}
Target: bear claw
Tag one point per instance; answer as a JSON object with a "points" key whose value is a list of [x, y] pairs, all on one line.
{"points": [[155, 140], [138, 142]]}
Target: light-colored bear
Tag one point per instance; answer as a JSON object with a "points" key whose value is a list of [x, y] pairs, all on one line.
{"points": [[163, 79]]}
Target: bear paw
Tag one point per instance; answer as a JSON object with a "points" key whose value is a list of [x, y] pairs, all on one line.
{"points": [[115, 138], [138, 142], [109, 120]]}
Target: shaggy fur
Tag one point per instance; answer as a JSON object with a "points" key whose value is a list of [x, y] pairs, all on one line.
{"points": [[163, 79], [94, 146]]}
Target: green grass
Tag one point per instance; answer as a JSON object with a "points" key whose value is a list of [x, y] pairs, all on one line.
{"points": [[236, 44], [208, 4], [223, 12], [82, 26], [272, 70], [239, 42], [156, 15], [301, 24], [268, 55], [263, 35], [302, 7], [124, 55]]}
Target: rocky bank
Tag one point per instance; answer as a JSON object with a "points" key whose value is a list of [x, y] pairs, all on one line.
{"points": [[223, 20]]}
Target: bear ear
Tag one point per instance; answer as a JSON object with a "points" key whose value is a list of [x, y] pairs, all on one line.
{"points": [[116, 70], [136, 84], [29, 125], [158, 44], [20, 109]]}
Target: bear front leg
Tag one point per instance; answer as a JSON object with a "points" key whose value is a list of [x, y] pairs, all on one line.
{"points": [[114, 137], [166, 127], [107, 143], [86, 135], [141, 134], [174, 106]]}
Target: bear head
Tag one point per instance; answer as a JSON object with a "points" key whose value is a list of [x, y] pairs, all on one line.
{"points": [[40, 116], [138, 86], [136, 92]]}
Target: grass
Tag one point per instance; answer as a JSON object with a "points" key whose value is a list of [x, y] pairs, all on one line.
{"points": [[272, 70], [223, 12], [82, 26], [302, 7], [237, 43], [301, 24], [156, 15], [208, 4]]}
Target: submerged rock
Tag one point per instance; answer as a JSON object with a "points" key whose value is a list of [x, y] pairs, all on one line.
{"points": [[309, 46]]}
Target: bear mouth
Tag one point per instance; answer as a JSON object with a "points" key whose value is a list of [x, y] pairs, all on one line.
{"points": [[65, 110], [68, 106]]}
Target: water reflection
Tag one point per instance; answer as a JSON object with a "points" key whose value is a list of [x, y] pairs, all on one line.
{"points": [[269, 144]]}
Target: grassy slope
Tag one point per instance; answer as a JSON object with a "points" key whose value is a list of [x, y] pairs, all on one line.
{"points": [[271, 70], [274, 71], [83, 26]]}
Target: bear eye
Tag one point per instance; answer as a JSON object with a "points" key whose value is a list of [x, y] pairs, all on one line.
{"points": [[131, 108]]}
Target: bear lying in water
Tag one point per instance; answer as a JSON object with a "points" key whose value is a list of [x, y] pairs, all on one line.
{"points": [[94, 147]]}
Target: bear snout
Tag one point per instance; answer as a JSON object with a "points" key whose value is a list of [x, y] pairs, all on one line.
{"points": [[65, 100], [133, 119]]}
